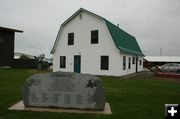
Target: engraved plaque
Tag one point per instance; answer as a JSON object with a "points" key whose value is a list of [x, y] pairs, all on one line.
{"points": [[64, 90]]}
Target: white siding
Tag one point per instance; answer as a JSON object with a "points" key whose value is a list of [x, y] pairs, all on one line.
{"points": [[90, 53]]}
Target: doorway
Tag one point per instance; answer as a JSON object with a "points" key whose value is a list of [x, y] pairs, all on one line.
{"points": [[77, 63]]}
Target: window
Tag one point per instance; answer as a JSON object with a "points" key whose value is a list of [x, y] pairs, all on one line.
{"points": [[124, 62], [104, 62], [133, 60], [70, 38], [94, 36], [140, 62], [80, 16], [129, 65], [62, 61]]}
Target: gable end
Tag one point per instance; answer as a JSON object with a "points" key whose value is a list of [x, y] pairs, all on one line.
{"points": [[123, 41]]}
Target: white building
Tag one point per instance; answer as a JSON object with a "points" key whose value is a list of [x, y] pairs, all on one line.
{"points": [[88, 43], [18, 55]]}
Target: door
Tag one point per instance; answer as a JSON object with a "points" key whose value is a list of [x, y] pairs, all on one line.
{"points": [[77, 63]]}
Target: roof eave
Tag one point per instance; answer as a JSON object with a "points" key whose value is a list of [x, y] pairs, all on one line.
{"points": [[136, 53], [10, 29], [55, 44]]}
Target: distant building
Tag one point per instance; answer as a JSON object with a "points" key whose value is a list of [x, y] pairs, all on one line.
{"points": [[18, 55], [7, 36], [89, 43], [160, 60], [24, 61]]}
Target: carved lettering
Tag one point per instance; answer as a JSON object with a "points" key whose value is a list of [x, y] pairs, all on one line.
{"points": [[44, 97], [63, 75], [67, 99], [79, 99], [91, 83], [56, 97], [34, 98]]}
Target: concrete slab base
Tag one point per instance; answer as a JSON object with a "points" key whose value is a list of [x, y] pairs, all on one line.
{"points": [[20, 106]]}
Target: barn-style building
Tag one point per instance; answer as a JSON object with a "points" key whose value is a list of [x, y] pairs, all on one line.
{"points": [[88, 43]]}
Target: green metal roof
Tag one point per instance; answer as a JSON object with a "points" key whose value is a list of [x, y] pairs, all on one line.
{"points": [[123, 41]]}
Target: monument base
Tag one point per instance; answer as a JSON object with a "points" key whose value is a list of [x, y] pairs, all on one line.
{"points": [[20, 106]]}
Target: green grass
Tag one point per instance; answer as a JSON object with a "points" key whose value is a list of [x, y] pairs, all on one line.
{"points": [[138, 97]]}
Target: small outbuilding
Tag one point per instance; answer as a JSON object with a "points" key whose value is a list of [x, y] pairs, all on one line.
{"points": [[7, 36], [160, 60]]}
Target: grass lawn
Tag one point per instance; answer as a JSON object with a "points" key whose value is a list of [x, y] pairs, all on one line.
{"points": [[137, 97]]}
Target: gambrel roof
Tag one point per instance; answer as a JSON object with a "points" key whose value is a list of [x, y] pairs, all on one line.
{"points": [[125, 42]]}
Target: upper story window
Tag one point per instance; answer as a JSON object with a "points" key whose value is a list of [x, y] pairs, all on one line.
{"points": [[124, 62], [62, 61], [70, 38], [94, 36], [80, 16], [104, 62]]}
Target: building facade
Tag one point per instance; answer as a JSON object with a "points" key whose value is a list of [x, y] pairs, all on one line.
{"points": [[90, 44]]}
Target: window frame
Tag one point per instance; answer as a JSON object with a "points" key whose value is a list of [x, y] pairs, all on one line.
{"points": [[124, 62], [62, 61], [94, 36], [133, 60], [129, 63], [71, 38], [80, 16], [104, 64]]}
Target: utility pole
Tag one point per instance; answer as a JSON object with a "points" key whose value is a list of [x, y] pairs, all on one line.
{"points": [[160, 51]]}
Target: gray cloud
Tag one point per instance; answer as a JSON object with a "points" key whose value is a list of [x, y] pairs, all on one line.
{"points": [[155, 23]]}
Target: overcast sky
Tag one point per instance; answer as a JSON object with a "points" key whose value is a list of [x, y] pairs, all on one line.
{"points": [[154, 23]]}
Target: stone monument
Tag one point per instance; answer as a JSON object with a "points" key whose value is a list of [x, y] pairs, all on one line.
{"points": [[64, 90]]}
